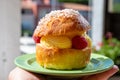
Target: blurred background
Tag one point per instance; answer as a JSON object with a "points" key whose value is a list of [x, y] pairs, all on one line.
{"points": [[19, 18]]}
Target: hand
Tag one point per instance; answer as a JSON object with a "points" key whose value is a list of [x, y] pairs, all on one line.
{"points": [[20, 74], [102, 76]]}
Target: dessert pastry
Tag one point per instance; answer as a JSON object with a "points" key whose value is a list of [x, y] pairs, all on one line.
{"points": [[61, 40]]}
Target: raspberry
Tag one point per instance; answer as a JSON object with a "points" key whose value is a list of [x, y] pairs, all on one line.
{"points": [[79, 42], [36, 39]]}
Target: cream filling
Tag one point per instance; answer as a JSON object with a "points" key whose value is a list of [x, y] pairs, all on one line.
{"points": [[61, 42], [56, 41]]}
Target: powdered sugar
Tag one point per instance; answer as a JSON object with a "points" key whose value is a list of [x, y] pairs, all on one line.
{"points": [[59, 13], [64, 13]]}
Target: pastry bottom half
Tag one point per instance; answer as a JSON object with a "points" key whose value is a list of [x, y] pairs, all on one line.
{"points": [[55, 58]]}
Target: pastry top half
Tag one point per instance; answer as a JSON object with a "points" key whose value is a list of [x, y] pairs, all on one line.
{"points": [[61, 22]]}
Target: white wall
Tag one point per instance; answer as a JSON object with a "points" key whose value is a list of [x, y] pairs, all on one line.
{"points": [[97, 21], [9, 35]]}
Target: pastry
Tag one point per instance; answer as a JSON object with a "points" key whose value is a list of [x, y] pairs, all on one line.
{"points": [[62, 41]]}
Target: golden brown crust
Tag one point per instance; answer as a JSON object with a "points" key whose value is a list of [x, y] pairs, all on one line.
{"points": [[62, 58], [61, 22]]}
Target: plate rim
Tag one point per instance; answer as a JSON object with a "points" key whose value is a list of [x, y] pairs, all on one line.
{"points": [[60, 71]]}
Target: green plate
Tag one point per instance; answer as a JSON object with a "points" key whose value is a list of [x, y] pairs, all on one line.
{"points": [[98, 64]]}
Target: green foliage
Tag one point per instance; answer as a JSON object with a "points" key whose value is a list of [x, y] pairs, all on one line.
{"points": [[26, 33], [116, 7], [111, 49], [75, 1]]}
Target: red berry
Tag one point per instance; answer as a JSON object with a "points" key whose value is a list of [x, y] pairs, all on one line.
{"points": [[79, 42], [36, 39]]}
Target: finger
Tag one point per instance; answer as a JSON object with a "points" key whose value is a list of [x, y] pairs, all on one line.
{"points": [[103, 76], [107, 74]]}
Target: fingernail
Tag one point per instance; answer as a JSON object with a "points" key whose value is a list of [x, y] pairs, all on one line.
{"points": [[115, 68]]}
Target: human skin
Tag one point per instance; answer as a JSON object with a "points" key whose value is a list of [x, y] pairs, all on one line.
{"points": [[20, 74]]}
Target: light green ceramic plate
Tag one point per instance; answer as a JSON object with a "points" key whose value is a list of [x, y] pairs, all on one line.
{"points": [[98, 64]]}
